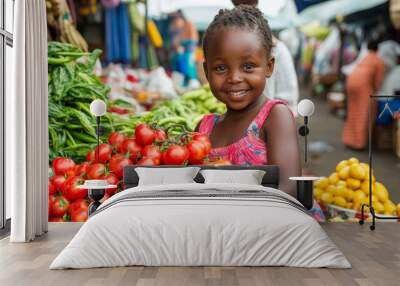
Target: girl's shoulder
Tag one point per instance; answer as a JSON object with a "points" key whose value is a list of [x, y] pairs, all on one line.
{"points": [[279, 116]]}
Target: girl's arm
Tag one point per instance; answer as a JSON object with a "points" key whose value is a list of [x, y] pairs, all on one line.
{"points": [[282, 146]]}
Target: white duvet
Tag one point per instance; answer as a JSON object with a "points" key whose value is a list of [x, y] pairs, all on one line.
{"points": [[183, 230]]}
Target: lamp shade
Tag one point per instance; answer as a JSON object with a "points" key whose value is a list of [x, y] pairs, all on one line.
{"points": [[305, 107], [98, 107]]}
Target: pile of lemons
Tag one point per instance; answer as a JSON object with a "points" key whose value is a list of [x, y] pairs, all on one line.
{"points": [[348, 187]]}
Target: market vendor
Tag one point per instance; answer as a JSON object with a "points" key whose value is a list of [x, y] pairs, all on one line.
{"points": [[283, 83], [185, 39], [365, 80]]}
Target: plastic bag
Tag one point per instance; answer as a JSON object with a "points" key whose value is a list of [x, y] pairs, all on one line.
{"points": [[160, 82]]}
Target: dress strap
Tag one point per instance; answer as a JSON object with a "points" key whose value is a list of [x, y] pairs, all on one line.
{"points": [[207, 123], [258, 121]]}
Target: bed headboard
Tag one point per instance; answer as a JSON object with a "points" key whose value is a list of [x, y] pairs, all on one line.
{"points": [[270, 179]]}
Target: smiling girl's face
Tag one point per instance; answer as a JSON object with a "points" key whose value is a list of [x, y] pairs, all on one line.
{"points": [[237, 65]]}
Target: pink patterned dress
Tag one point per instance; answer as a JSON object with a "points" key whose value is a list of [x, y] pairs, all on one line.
{"points": [[250, 149]]}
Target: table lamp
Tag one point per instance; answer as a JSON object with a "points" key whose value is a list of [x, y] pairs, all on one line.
{"points": [[96, 188], [305, 186], [98, 108], [305, 108]]}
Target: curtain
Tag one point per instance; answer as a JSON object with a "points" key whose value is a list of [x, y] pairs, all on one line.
{"points": [[27, 123]]}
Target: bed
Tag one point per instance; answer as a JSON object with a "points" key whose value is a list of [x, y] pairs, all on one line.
{"points": [[198, 224]]}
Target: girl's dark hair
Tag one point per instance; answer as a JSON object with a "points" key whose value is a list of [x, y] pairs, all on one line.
{"points": [[245, 17]]}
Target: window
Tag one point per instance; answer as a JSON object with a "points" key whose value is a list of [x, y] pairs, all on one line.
{"points": [[6, 43]]}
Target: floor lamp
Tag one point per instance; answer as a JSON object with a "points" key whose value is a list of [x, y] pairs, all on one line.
{"points": [[370, 125]]}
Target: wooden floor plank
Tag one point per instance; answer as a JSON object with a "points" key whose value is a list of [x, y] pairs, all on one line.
{"points": [[375, 257]]}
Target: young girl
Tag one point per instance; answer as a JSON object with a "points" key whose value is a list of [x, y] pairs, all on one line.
{"points": [[255, 130]]}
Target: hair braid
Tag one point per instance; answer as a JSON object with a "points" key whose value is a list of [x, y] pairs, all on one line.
{"points": [[243, 16]]}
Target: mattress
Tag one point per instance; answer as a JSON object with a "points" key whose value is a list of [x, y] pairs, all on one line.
{"points": [[201, 225]]}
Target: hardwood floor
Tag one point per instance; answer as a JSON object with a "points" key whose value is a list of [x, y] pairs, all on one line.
{"points": [[375, 257]]}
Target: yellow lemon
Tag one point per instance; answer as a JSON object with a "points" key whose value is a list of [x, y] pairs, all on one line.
{"points": [[349, 194], [341, 165], [398, 209], [349, 205], [317, 193], [358, 196], [353, 183], [378, 207], [390, 208], [365, 166], [367, 177], [344, 173], [353, 160], [365, 187], [339, 191], [326, 198], [357, 172], [330, 189], [381, 192], [374, 199], [341, 183], [322, 183], [339, 201], [333, 178]]}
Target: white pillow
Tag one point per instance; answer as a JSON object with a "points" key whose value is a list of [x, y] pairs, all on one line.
{"points": [[248, 177], [166, 176]]}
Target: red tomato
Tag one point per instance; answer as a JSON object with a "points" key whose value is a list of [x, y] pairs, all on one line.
{"points": [[161, 136], [175, 155], [95, 171], [58, 181], [62, 165], [104, 154], [204, 139], [71, 172], [71, 190], [90, 156], [117, 164], [148, 161], [78, 204], [50, 206], [52, 188], [151, 151], [131, 146], [111, 179], [79, 215], [60, 206], [116, 139], [81, 169], [144, 134], [197, 151]]}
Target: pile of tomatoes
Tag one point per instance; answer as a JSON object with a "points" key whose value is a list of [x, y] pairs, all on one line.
{"points": [[148, 147]]}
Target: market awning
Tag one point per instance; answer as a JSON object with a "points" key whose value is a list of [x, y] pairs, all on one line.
{"points": [[201, 13], [326, 11]]}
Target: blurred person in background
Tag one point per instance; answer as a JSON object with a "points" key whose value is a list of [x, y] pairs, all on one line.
{"points": [[365, 80], [184, 38], [283, 83]]}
